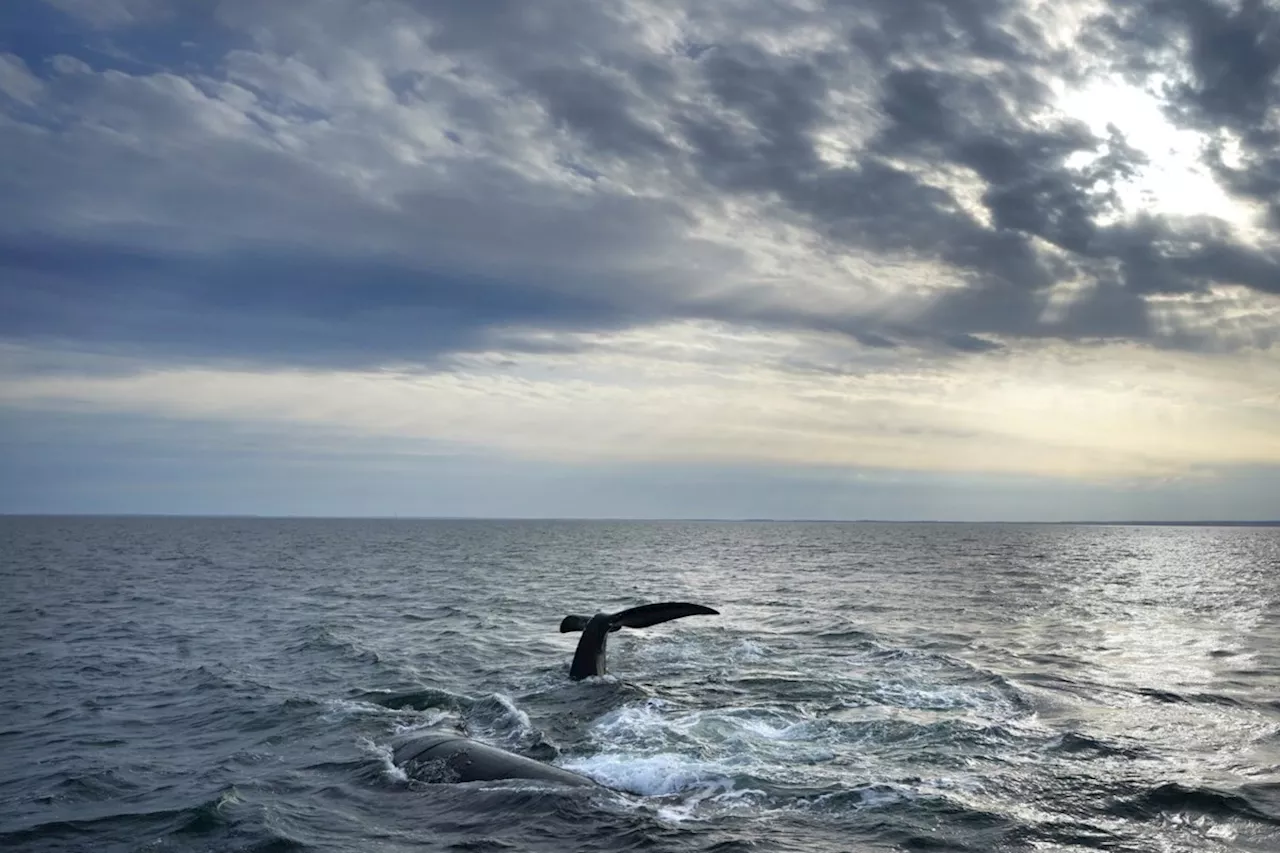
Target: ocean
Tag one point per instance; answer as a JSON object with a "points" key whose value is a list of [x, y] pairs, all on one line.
{"points": [[220, 684]]}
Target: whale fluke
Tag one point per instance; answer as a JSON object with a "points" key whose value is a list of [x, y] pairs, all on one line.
{"points": [[573, 623], [653, 614], [589, 658]]}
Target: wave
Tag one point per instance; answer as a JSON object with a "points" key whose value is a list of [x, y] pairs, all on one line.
{"points": [[1173, 697], [1091, 689], [494, 714], [498, 716], [438, 612], [383, 756], [1254, 802], [210, 820], [1077, 744], [418, 699], [322, 639], [652, 775], [689, 788], [652, 747], [999, 720], [95, 786]]}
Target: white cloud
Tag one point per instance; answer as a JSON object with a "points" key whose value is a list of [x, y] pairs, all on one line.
{"points": [[703, 393], [17, 81]]}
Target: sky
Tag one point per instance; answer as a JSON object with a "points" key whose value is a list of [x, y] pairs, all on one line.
{"points": [[892, 259]]}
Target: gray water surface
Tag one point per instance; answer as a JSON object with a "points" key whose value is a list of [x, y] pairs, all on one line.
{"points": [[234, 684]]}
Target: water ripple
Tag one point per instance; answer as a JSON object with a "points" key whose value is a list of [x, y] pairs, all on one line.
{"points": [[197, 684]]}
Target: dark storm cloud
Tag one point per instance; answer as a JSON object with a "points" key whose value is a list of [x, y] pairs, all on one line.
{"points": [[141, 213], [275, 307], [595, 106]]}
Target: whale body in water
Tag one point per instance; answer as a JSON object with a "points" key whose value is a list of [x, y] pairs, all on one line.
{"points": [[448, 757]]}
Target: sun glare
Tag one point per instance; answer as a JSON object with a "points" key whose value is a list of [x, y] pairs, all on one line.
{"points": [[1175, 182]]}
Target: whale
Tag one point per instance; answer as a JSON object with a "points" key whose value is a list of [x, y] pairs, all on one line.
{"points": [[589, 657], [441, 756]]}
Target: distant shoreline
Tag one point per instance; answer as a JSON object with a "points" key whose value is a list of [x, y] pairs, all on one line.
{"points": [[639, 520]]}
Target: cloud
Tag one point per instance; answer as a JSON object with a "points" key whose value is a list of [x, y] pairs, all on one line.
{"points": [[656, 229], [706, 393], [104, 14], [1223, 79], [118, 464], [16, 82], [621, 165]]}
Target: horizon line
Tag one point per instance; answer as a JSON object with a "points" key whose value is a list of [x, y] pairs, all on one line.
{"points": [[687, 519]]}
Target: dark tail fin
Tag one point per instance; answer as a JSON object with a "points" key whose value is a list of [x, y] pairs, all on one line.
{"points": [[642, 616], [653, 614], [588, 658]]}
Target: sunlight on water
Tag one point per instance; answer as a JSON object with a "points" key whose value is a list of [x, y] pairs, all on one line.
{"points": [[866, 687]]}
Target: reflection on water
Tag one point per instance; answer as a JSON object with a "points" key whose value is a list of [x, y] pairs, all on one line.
{"points": [[1168, 609], [867, 686]]}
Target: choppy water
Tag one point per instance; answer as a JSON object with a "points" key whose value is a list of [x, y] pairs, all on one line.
{"points": [[205, 684]]}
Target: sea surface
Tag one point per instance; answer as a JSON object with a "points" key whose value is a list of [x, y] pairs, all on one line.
{"points": [[184, 684]]}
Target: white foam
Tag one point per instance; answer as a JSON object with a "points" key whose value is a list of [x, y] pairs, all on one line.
{"points": [[698, 756], [229, 797], [722, 798], [429, 720], [749, 650], [599, 680], [747, 728], [353, 707], [510, 723], [771, 729], [868, 798], [513, 716], [647, 722], [632, 725], [746, 740], [653, 775], [945, 697], [385, 756]]}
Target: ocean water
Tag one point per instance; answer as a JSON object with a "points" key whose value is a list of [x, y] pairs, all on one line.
{"points": [[234, 684]]}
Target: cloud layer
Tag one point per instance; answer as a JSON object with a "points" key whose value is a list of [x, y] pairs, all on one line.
{"points": [[759, 203], [396, 180]]}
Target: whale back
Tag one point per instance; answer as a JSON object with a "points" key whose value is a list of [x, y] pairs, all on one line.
{"points": [[447, 757]]}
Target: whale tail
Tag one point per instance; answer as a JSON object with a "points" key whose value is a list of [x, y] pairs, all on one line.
{"points": [[573, 623], [589, 658], [642, 616]]}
